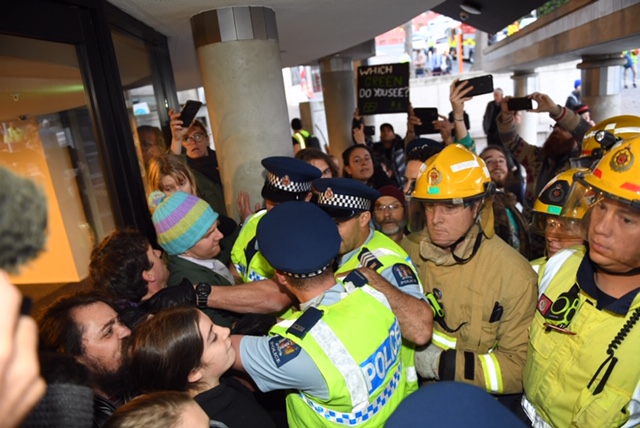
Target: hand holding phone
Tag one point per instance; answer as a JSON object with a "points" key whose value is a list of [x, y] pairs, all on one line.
{"points": [[189, 112], [426, 115], [519, 103], [481, 85], [370, 131]]}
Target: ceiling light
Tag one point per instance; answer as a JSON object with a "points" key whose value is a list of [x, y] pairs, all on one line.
{"points": [[471, 8]]}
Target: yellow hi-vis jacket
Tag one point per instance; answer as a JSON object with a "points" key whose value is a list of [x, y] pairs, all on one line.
{"points": [[256, 267], [559, 390], [388, 253], [356, 345]]}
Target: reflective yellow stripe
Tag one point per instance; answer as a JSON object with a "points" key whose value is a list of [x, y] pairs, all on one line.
{"points": [[492, 374], [443, 341]]}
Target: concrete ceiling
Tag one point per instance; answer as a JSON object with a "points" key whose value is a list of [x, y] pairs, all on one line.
{"points": [[307, 29]]}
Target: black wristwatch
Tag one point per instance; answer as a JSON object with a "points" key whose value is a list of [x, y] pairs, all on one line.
{"points": [[202, 294]]}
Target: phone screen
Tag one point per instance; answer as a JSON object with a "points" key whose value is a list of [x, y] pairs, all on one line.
{"points": [[427, 115], [189, 112], [481, 85], [520, 103]]}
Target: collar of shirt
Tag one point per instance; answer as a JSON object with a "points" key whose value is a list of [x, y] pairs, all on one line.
{"points": [[215, 265], [346, 257], [587, 282], [329, 297]]}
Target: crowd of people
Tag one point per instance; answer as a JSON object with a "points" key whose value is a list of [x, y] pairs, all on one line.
{"points": [[415, 280]]}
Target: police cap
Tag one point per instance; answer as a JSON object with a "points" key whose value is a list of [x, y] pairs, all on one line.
{"points": [[343, 198], [298, 239], [288, 179]]}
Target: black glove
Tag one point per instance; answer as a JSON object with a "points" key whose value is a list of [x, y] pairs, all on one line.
{"points": [[182, 294], [254, 324]]}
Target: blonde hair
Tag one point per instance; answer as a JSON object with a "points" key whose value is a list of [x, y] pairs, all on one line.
{"points": [[172, 165], [162, 408]]}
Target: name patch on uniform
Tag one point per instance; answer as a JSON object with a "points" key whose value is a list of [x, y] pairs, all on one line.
{"points": [[544, 304], [283, 350], [404, 275]]}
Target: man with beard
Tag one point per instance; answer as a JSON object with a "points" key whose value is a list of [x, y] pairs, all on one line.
{"points": [[542, 163], [87, 327], [510, 224], [389, 215]]}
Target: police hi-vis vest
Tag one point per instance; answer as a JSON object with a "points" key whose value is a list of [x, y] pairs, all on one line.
{"points": [[356, 345], [560, 381], [388, 253], [256, 267]]}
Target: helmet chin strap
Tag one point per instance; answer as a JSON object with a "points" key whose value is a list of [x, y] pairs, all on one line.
{"points": [[632, 272], [476, 245]]}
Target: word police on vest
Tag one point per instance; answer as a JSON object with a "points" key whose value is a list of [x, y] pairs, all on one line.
{"points": [[376, 367]]}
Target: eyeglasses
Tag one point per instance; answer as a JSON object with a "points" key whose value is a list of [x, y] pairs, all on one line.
{"points": [[392, 207], [197, 137], [444, 208]]}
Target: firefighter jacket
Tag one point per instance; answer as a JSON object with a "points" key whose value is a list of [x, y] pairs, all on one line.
{"points": [[489, 299]]}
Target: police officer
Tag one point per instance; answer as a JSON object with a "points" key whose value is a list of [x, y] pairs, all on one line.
{"points": [[288, 179], [387, 266], [483, 291], [341, 353], [582, 366]]}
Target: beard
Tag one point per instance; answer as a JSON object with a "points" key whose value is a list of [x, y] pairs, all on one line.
{"points": [[114, 384], [500, 181], [392, 227], [557, 146]]}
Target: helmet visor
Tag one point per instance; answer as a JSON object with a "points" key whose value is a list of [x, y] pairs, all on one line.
{"points": [[552, 226]]}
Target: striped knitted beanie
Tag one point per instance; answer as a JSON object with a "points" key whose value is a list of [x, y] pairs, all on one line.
{"points": [[180, 220]]}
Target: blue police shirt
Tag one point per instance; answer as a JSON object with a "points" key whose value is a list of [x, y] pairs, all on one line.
{"points": [[274, 362], [413, 289]]}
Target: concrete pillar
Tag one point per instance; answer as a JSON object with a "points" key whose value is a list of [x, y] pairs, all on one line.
{"points": [[601, 76], [339, 92], [239, 59], [525, 83]]}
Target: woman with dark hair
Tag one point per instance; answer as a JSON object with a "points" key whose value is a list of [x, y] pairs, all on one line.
{"points": [[181, 349], [359, 165]]}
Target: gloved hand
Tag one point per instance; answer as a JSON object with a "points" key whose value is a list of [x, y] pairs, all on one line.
{"points": [[427, 359], [182, 294]]}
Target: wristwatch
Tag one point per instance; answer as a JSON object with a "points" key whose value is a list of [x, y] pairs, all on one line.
{"points": [[202, 294]]}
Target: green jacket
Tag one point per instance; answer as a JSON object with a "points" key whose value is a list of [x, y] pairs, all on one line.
{"points": [[180, 268]]}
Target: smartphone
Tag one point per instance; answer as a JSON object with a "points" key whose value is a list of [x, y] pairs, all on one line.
{"points": [[519, 103], [481, 85], [189, 112], [370, 131], [427, 115]]}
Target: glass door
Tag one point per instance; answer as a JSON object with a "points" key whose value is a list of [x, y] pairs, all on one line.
{"points": [[47, 134]]}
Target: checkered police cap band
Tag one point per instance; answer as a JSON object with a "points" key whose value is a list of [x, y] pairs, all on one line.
{"points": [[286, 184], [332, 199], [307, 275]]}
